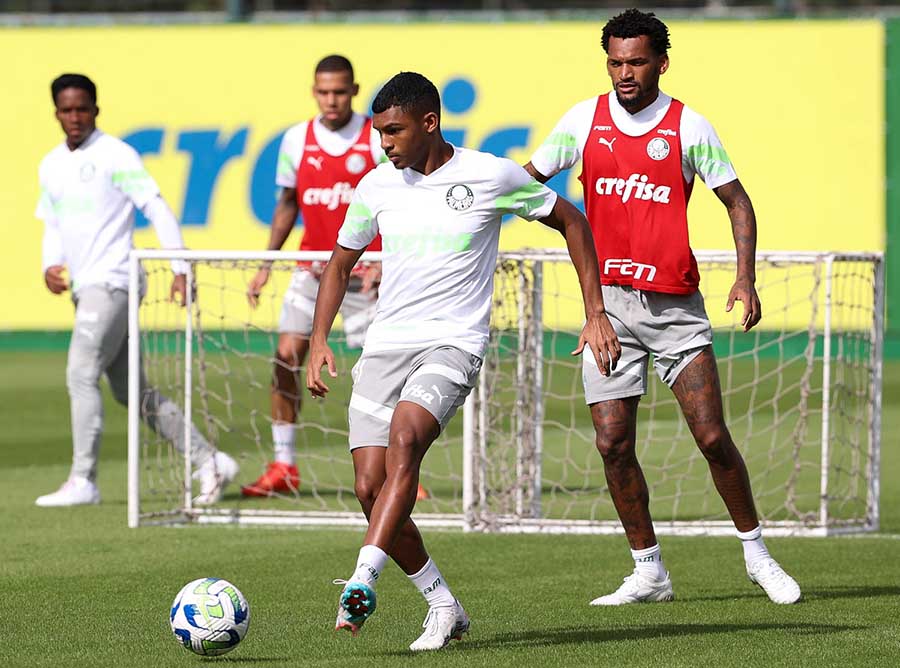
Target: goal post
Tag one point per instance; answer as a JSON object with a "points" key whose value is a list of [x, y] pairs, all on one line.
{"points": [[801, 393]]}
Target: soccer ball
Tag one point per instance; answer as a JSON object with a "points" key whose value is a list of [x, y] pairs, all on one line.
{"points": [[210, 616]]}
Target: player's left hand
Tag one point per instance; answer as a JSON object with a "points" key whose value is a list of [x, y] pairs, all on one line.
{"points": [[371, 277], [744, 291], [598, 333], [178, 292]]}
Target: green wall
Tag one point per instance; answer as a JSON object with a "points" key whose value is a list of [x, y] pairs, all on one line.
{"points": [[892, 148]]}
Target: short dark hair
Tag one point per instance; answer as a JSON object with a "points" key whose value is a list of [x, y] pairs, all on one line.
{"points": [[634, 23], [64, 81], [335, 63], [411, 92]]}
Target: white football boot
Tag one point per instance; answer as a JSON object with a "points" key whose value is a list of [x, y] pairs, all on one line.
{"points": [[637, 588], [75, 491], [214, 475], [779, 586], [441, 626]]}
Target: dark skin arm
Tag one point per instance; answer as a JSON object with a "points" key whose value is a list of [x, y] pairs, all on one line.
{"points": [[743, 226], [332, 287], [581, 250], [535, 174], [598, 331], [286, 210]]}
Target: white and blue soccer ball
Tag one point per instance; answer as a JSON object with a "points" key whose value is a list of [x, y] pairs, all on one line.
{"points": [[210, 616]]}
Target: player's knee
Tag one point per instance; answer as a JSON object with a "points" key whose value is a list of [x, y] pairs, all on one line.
{"points": [[405, 452], [614, 444], [81, 376], [287, 356], [367, 489], [715, 443], [404, 441]]}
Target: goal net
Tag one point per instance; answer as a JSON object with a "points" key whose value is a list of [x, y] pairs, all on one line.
{"points": [[801, 394]]}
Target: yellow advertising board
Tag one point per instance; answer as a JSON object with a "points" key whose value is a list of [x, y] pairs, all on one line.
{"points": [[206, 107]]}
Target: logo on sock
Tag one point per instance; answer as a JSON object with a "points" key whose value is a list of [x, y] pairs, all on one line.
{"points": [[371, 569], [432, 587]]}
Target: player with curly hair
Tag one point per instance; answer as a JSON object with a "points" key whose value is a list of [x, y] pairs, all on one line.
{"points": [[641, 150]]}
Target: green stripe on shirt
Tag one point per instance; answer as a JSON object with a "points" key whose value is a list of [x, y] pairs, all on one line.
{"points": [[560, 147], [524, 199], [710, 160], [358, 219], [285, 166], [132, 181]]}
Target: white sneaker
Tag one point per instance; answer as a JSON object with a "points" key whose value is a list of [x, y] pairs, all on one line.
{"points": [[74, 492], [441, 626], [778, 585], [214, 476], [637, 588]]}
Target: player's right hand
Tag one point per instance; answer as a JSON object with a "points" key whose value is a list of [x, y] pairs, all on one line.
{"points": [[256, 285], [320, 355], [56, 282]]}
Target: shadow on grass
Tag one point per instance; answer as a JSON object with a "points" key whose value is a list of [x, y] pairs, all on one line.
{"points": [[235, 658], [582, 635], [808, 594], [853, 592]]}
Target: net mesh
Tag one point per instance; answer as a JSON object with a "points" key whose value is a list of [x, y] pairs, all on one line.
{"points": [[533, 457], [232, 377], [774, 388]]}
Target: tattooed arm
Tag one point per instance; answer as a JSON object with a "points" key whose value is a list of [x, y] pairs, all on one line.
{"points": [[743, 226]]}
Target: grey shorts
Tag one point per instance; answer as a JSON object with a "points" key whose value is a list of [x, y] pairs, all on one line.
{"points": [[674, 328], [438, 379], [299, 305]]}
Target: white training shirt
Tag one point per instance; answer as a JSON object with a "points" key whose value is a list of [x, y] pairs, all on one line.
{"points": [[439, 235], [87, 204], [701, 151], [333, 142]]}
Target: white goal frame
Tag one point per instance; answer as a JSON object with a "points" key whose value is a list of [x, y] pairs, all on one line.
{"points": [[527, 518]]}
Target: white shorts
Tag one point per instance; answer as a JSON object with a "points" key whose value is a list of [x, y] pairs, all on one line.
{"points": [[674, 328], [299, 305], [438, 379]]}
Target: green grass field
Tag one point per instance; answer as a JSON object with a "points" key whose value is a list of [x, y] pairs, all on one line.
{"points": [[80, 588]]}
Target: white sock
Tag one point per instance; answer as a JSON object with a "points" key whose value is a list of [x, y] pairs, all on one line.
{"points": [[649, 563], [283, 438], [432, 586], [369, 564], [754, 547]]}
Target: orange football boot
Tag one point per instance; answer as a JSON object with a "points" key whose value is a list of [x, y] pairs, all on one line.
{"points": [[279, 478]]}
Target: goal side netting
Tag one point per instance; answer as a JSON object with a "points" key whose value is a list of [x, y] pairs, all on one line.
{"points": [[801, 392]]}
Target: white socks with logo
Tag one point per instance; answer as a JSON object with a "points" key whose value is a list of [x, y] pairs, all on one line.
{"points": [[649, 563], [369, 564], [754, 547], [283, 438], [432, 586], [428, 580]]}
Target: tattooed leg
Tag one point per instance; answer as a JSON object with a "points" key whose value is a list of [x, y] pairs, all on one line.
{"points": [[615, 422], [700, 396]]}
